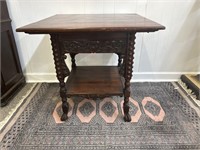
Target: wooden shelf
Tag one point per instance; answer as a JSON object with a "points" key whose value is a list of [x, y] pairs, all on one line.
{"points": [[94, 81]]}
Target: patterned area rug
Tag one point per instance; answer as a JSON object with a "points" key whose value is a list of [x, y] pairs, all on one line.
{"points": [[161, 119], [8, 111]]}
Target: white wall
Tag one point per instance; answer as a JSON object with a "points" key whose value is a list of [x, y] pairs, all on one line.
{"points": [[162, 55]]}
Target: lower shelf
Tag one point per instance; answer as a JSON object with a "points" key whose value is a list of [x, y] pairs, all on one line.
{"points": [[94, 81]]}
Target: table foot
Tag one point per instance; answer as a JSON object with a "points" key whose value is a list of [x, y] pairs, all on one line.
{"points": [[127, 118], [65, 107], [64, 117]]}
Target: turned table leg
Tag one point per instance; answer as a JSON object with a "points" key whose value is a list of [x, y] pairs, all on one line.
{"points": [[72, 55], [121, 63], [128, 74], [119, 59], [62, 71]]}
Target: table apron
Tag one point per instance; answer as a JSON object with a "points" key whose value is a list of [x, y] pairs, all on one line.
{"points": [[111, 42]]}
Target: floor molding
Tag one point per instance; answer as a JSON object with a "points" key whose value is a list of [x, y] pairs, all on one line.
{"points": [[137, 77]]}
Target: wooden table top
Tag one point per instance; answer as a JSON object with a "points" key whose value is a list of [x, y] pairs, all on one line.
{"points": [[63, 23]]}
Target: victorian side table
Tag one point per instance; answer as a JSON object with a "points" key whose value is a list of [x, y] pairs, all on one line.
{"points": [[92, 33]]}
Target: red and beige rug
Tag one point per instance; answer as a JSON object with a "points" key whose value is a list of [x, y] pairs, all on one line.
{"points": [[161, 119], [108, 110]]}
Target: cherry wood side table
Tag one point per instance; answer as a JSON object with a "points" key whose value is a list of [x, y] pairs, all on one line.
{"points": [[107, 33]]}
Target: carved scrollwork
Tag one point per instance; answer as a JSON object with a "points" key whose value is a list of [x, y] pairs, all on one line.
{"points": [[94, 46]]}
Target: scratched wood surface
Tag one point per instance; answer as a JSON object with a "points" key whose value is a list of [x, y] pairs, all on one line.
{"points": [[94, 80], [91, 22]]}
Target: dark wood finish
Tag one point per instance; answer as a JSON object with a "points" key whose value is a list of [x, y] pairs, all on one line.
{"points": [[12, 78], [94, 81], [128, 74], [92, 22], [75, 34], [95, 42], [72, 55], [97, 46], [62, 71]]}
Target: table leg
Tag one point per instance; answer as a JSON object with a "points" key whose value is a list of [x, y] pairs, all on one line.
{"points": [[73, 59], [66, 71], [121, 64], [119, 59], [62, 71], [128, 74]]}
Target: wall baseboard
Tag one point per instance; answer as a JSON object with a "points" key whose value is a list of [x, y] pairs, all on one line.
{"points": [[137, 77], [41, 77]]}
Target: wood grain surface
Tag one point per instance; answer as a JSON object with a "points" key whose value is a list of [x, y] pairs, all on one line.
{"points": [[62, 23], [94, 81]]}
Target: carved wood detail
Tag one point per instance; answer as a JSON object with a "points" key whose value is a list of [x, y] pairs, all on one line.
{"points": [[66, 71], [119, 59], [128, 74], [94, 46], [75, 34], [62, 71], [73, 59], [121, 63]]}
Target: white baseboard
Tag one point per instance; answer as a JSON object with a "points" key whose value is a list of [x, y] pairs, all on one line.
{"points": [[41, 77], [137, 77], [158, 76]]}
